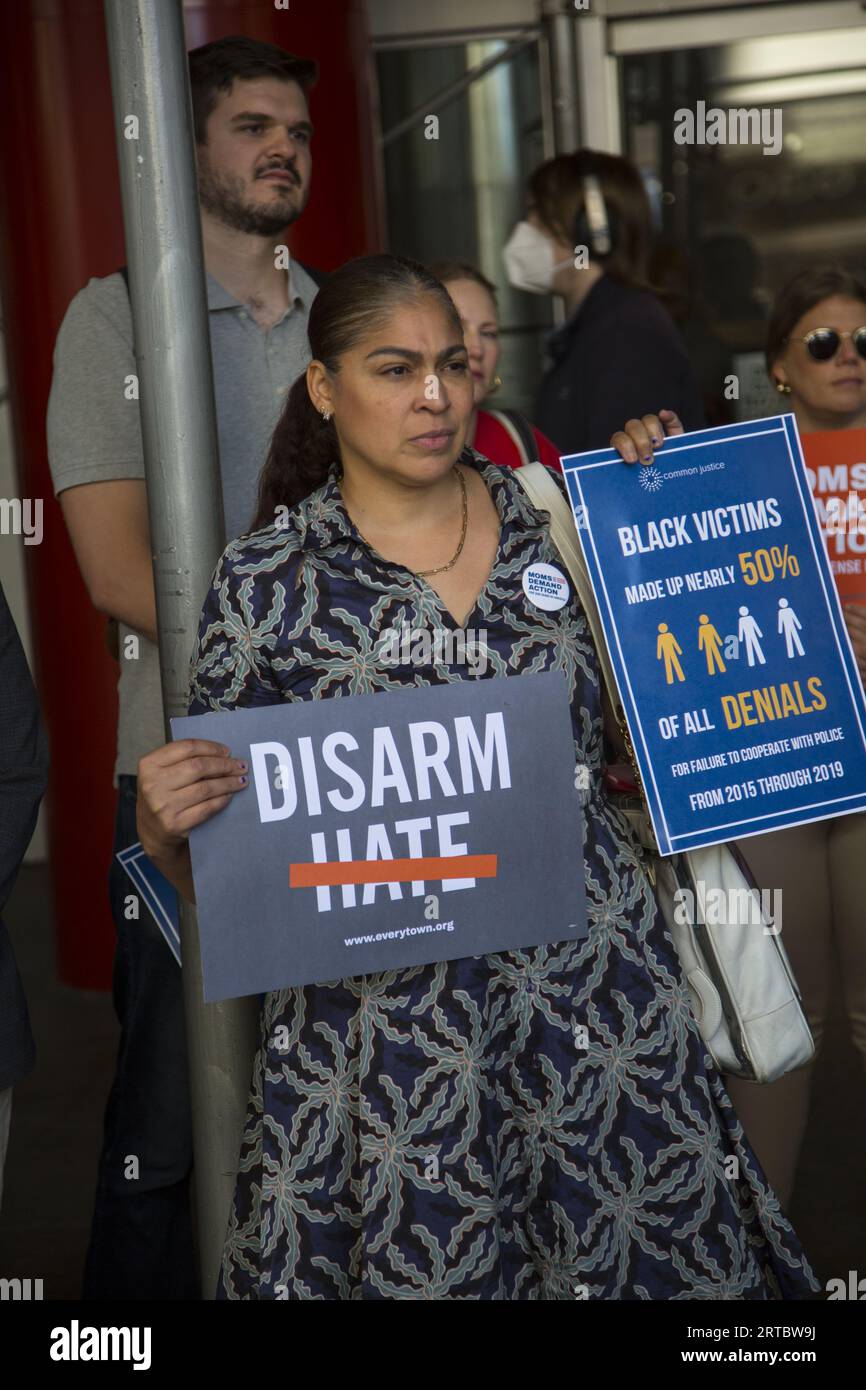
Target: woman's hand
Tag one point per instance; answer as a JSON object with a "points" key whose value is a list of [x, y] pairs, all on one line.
{"points": [[180, 786], [637, 439], [855, 621]]}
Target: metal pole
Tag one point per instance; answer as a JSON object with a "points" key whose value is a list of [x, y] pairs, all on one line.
{"points": [[153, 118], [559, 22]]}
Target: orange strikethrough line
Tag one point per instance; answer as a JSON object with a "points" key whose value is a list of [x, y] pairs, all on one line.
{"points": [[333, 874]]}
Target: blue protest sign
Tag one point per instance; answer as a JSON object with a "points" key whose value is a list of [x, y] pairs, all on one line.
{"points": [[725, 631], [389, 830]]}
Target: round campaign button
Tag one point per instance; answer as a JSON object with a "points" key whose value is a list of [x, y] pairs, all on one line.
{"points": [[546, 587]]}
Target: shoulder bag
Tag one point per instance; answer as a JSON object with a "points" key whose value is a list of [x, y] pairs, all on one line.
{"points": [[746, 1001]]}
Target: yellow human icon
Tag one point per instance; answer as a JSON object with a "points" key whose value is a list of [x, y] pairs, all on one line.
{"points": [[709, 642], [669, 649]]}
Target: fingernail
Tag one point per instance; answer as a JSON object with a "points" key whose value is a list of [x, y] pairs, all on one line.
{"points": [[655, 441], [243, 781], [242, 766], [647, 458]]}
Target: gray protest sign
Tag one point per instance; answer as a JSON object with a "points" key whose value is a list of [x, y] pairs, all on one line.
{"points": [[389, 830]]}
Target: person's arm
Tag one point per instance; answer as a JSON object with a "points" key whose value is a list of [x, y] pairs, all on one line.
{"points": [[95, 453], [638, 439], [108, 527], [181, 785], [23, 753]]}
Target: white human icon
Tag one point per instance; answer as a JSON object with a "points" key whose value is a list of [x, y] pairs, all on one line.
{"points": [[749, 632], [789, 624]]}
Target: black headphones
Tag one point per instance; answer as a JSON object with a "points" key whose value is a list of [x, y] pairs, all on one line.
{"points": [[594, 226]]}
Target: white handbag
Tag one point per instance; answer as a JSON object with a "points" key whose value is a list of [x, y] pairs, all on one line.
{"points": [[745, 998]]}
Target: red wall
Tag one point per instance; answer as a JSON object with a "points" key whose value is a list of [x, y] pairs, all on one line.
{"points": [[60, 224]]}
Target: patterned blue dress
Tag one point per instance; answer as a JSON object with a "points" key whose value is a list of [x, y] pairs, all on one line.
{"points": [[537, 1124]]}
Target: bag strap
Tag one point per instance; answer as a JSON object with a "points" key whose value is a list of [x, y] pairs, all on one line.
{"points": [[543, 491], [520, 432]]}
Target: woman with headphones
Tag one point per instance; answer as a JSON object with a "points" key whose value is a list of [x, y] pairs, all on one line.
{"points": [[587, 238]]}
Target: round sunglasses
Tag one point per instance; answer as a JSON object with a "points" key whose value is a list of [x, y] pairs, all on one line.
{"points": [[823, 343]]}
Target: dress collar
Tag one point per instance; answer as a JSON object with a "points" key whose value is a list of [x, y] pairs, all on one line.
{"points": [[218, 297]]}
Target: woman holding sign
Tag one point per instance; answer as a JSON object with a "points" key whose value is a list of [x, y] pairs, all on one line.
{"points": [[536, 1124], [816, 356]]}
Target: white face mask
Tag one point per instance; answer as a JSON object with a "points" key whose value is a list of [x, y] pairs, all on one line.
{"points": [[528, 257]]}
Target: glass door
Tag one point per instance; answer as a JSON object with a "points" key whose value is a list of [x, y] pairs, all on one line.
{"points": [[456, 157], [784, 189]]}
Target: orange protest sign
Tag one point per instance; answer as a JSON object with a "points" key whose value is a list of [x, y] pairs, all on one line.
{"points": [[836, 469]]}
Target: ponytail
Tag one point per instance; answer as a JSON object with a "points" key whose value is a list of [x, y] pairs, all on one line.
{"points": [[302, 450]]}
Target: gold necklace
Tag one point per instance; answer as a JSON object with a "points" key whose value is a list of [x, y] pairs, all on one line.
{"points": [[425, 574]]}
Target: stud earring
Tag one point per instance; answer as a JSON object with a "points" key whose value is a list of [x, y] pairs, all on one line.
{"points": [[326, 415], [497, 382], [783, 388]]}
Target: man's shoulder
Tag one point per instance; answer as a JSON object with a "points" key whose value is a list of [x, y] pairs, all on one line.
{"points": [[103, 299], [105, 292], [314, 278]]}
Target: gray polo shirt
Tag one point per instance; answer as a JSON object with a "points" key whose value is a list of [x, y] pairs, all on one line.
{"points": [[94, 432]]}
